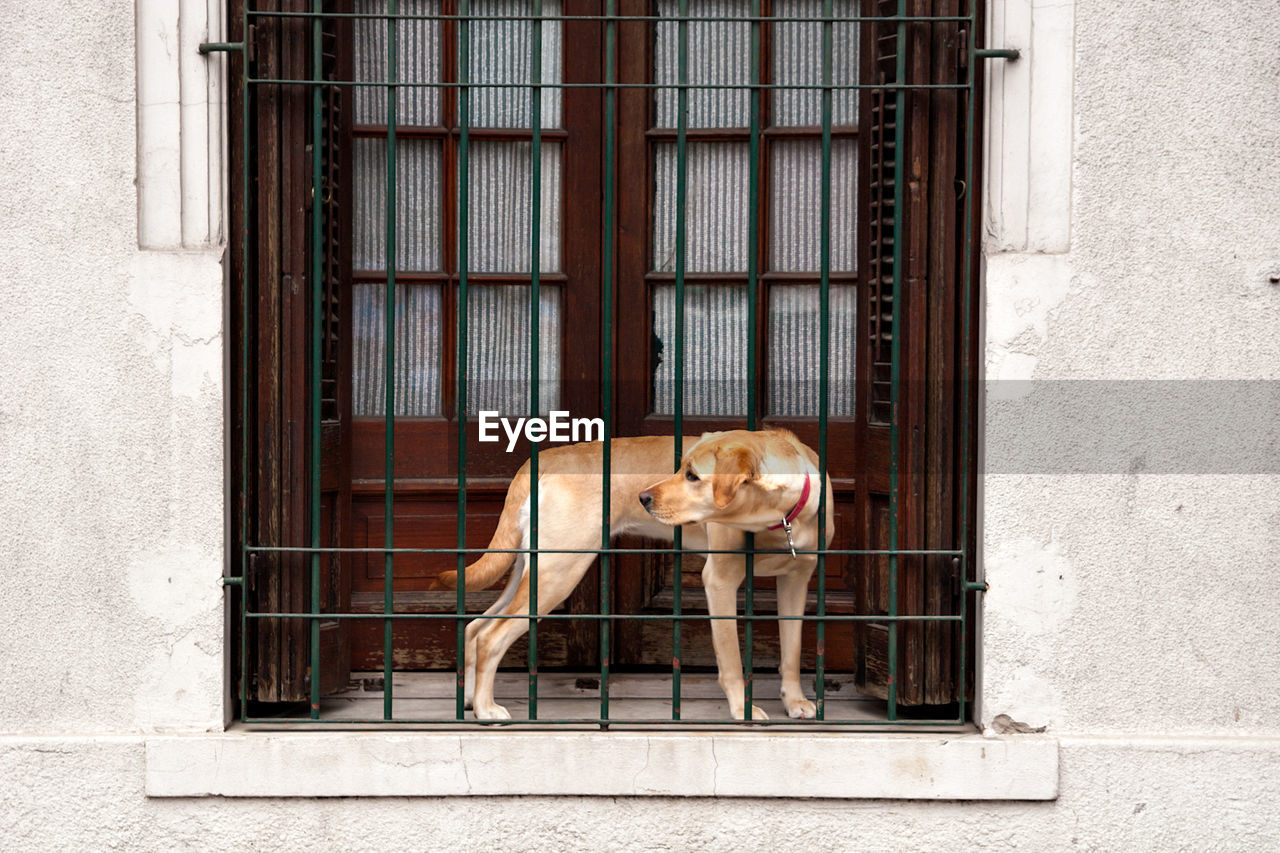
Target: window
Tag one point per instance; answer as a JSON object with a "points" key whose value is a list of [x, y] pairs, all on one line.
{"points": [[363, 183]]}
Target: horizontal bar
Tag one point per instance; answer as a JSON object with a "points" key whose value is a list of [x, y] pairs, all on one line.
{"points": [[665, 19], [673, 86], [598, 617], [611, 722], [737, 279], [231, 581], [918, 552], [976, 586], [429, 131], [1010, 53], [220, 46], [743, 134], [435, 276]]}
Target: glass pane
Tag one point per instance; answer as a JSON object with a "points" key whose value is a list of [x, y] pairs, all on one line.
{"points": [[499, 211], [418, 61], [794, 351], [719, 54], [715, 208], [797, 61], [498, 349], [715, 349], [417, 205], [501, 52], [417, 353], [795, 211]]}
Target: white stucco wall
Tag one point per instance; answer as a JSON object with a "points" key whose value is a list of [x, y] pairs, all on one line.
{"points": [[1133, 161]]}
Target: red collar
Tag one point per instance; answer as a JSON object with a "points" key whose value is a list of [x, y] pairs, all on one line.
{"points": [[791, 516]]}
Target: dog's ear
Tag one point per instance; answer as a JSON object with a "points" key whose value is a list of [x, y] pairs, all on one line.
{"points": [[735, 464]]}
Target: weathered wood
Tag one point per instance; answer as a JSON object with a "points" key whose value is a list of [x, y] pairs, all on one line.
{"points": [[931, 462]]}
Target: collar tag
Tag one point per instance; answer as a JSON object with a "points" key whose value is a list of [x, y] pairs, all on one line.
{"points": [[786, 525]]}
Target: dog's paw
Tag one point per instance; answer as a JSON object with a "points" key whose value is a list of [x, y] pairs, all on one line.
{"points": [[493, 712], [756, 714], [801, 709]]}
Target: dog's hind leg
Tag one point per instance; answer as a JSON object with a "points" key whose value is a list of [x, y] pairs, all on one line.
{"points": [[558, 574], [474, 626]]}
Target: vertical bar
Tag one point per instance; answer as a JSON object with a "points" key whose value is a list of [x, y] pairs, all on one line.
{"points": [[244, 359], [388, 603], [535, 318], [824, 350], [317, 324], [966, 365], [895, 373], [606, 354], [682, 176], [464, 198], [753, 323]]}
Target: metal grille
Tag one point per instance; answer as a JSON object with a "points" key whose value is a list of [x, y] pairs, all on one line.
{"points": [[691, 84]]}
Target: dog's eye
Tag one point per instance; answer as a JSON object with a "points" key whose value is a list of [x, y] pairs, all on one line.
{"points": [[690, 476]]}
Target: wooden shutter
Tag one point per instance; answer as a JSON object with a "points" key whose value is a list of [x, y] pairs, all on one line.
{"points": [[929, 456], [278, 288]]}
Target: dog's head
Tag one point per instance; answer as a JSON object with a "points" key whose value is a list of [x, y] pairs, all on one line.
{"points": [[721, 478]]}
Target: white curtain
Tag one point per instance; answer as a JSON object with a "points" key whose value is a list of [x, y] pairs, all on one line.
{"points": [[794, 350]]}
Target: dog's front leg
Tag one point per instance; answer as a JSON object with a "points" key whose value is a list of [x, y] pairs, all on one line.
{"points": [[721, 577]]}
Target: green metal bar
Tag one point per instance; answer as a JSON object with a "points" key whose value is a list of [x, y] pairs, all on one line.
{"points": [[966, 360], [587, 722], [220, 46], [682, 178], [317, 325], [892, 87], [596, 617], [824, 350], [742, 19], [753, 324], [389, 505], [606, 355], [861, 552], [535, 319], [244, 364], [895, 373], [1009, 53], [464, 260]]}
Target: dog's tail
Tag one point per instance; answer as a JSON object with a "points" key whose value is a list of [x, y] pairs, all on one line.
{"points": [[510, 534]]}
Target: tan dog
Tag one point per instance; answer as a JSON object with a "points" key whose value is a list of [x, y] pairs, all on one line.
{"points": [[728, 484]]}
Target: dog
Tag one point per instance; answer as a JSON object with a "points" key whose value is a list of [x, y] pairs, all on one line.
{"points": [[728, 484]]}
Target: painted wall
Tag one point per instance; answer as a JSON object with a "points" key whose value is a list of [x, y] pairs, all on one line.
{"points": [[1131, 233]]}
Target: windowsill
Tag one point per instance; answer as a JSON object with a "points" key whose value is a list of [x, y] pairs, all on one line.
{"points": [[935, 766]]}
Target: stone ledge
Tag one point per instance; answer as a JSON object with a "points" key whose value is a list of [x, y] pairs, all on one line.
{"points": [[911, 766]]}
